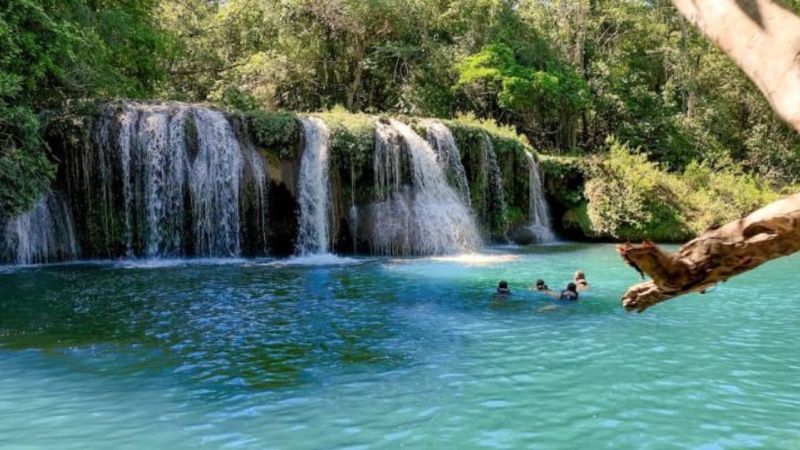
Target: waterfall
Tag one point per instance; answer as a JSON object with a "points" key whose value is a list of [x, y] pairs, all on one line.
{"points": [[494, 200], [314, 190], [167, 180], [441, 140], [538, 212], [261, 185], [160, 162], [214, 181], [352, 213], [423, 217], [43, 234], [128, 121]]}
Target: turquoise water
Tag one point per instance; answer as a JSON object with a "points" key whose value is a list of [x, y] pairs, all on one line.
{"points": [[384, 353]]}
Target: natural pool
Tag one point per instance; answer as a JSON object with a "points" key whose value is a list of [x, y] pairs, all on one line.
{"points": [[383, 353]]}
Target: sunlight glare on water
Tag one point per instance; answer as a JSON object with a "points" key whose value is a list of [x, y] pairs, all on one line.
{"points": [[393, 352], [477, 259]]}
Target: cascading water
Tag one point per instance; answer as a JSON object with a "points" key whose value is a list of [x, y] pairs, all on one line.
{"points": [[43, 234], [166, 180], [538, 212], [425, 217], [158, 157], [441, 140], [352, 213], [215, 181], [494, 201], [314, 190], [171, 180], [261, 190]]}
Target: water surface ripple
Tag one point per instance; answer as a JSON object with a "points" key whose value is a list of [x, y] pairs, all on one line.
{"points": [[392, 352]]}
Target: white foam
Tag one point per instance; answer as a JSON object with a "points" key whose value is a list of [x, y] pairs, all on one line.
{"points": [[323, 259], [539, 212], [423, 217], [314, 196], [156, 263], [467, 259]]}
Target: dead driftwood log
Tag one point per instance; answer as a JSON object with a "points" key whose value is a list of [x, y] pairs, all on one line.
{"points": [[714, 256]]}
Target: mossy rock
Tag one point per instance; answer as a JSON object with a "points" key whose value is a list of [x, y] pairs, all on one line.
{"points": [[277, 132]]}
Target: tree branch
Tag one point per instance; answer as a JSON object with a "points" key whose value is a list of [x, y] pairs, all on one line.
{"points": [[714, 256]]}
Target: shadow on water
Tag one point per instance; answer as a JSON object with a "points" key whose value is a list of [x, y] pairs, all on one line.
{"points": [[261, 328], [268, 327]]}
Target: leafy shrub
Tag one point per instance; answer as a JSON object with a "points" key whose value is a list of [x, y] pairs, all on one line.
{"points": [[277, 131], [630, 197], [352, 136], [24, 174]]}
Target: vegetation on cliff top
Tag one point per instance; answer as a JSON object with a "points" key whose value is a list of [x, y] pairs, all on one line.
{"points": [[567, 75]]}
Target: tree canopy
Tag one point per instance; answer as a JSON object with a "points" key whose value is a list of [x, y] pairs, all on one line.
{"points": [[568, 74], [54, 51]]}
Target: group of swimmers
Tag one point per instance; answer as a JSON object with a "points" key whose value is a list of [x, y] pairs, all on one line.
{"points": [[578, 284]]}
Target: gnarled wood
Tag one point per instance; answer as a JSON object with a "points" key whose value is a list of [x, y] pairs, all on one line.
{"points": [[714, 256]]}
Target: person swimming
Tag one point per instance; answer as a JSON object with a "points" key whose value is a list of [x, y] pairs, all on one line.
{"points": [[570, 293], [502, 288], [580, 281], [541, 286]]}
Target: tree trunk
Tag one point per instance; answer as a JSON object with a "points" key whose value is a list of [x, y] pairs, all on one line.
{"points": [[716, 255], [762, 38], [355, 86]]}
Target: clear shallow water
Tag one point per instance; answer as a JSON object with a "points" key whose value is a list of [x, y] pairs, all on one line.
{"points": [[382, 353]]}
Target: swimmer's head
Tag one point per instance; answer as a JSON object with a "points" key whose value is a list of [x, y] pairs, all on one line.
{"points": [[580, 275], [540, 284], [571, 287], [503, 284]]}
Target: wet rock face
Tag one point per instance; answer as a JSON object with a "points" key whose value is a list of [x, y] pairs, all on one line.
{"points": [[283, 225], [523, 236], [148, 179], [164, 180]]}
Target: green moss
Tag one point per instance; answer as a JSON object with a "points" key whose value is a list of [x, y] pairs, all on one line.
{"points": [[352, 136], [276, 132], [576, 220], [510, 148], [516, 215], [506, 132], [564, 179]]}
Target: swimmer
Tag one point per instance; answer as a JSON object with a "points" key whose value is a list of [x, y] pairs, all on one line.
{"points": [[502, 288], [580, 281], [570, 293], [541, 286]]}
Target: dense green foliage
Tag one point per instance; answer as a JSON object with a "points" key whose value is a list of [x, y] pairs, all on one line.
{"points": [[566, 74], [627, 197], [52, 51], [274, 130]]}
